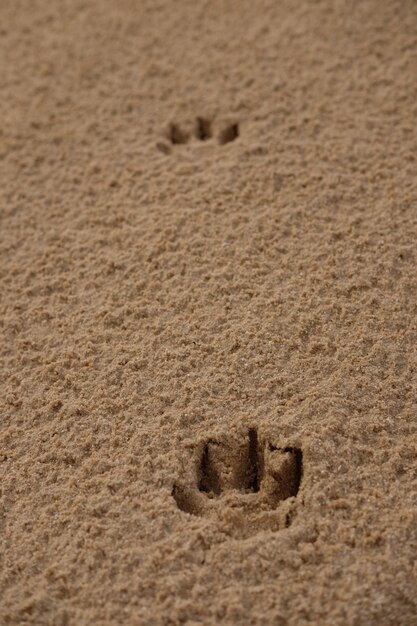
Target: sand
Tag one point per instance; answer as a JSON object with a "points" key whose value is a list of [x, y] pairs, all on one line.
{"points": [[207, 316]]}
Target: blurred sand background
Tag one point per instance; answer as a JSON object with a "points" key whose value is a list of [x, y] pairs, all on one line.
{"points": [[208, 218]]}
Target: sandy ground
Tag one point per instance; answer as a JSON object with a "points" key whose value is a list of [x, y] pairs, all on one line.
{"points": [[207, 316]]}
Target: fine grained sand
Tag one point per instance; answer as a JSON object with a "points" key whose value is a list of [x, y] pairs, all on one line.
{"points": [[207, 266]]}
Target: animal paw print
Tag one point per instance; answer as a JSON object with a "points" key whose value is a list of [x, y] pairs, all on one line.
{"points": [[202, 130], [243, 481]]}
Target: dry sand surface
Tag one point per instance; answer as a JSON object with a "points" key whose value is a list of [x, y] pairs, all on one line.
{"points": [[207, 316]]}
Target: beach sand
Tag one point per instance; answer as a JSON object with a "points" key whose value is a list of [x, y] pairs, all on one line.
{"points": [[208, 219]]}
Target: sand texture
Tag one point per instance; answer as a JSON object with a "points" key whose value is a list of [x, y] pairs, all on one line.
{"points": [[208, 221]]}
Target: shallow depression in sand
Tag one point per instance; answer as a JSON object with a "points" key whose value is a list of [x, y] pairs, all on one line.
{"points": [[243, 479]]}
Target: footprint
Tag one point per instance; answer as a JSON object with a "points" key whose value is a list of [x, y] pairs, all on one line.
{"points": [[202, 130], [243, 481]]}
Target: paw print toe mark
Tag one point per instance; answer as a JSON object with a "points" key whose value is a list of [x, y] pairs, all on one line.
{"points": [[176, 134], [228, 134], [209, 478], [203, 129]]}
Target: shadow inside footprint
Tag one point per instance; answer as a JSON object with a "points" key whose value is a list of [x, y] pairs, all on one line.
{"points": [[176, 135], [228, 134], [203, 129]]}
